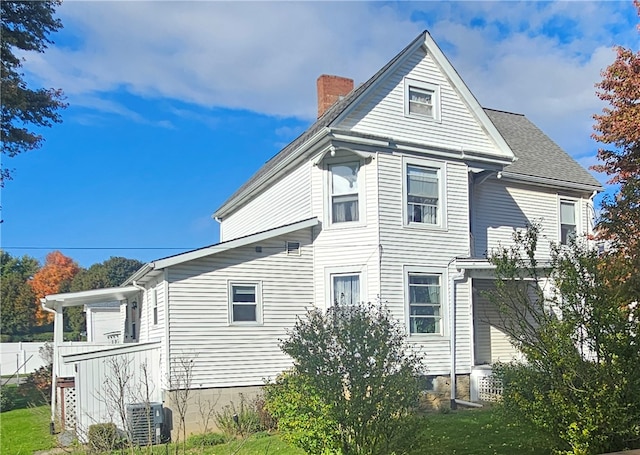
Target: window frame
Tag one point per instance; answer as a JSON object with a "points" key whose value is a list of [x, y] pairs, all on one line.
{"points": [[427, 87], [431, 165], [257, 285], [154, 305], [344, 160], [331, 272], [444, 302], [576, 214]]}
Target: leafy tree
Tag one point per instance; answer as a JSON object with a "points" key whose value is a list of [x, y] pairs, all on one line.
{"points": [[26, 26], [18, 314], [24, 267], [619, 128], [110, 273], [18, 311], [353, 385], [54, 277], [579, 337]]}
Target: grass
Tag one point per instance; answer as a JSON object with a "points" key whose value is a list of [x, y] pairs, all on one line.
{"points": [[480, 432], [23, 431]]}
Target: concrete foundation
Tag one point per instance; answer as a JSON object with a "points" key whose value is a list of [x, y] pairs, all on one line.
{"points": [[202, 406]]}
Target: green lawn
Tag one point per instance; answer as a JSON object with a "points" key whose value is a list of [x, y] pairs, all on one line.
{"points": [[23, 431], [461, 432]]}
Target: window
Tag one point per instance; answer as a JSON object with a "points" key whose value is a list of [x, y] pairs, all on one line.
{"points": [[154, 305], [422, 100], [345, 289], [244, 302], [293, 248], [568, 227], [423, 195], [344, 192], [425, 303]]}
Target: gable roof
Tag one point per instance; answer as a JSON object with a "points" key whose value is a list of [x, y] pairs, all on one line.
{"points": [[539, 158], [219, 248], [498, 129]]}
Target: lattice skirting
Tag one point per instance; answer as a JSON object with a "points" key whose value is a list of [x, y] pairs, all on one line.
{"points": [[485, 386], [66, 401]]}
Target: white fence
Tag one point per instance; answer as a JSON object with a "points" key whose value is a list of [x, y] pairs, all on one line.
{"points": [[20, 357]]}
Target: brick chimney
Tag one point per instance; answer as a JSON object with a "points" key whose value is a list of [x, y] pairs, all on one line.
{"points": [[330, 90]]}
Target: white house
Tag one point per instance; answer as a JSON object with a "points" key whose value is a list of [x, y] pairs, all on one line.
{"points": [[395, 193]]}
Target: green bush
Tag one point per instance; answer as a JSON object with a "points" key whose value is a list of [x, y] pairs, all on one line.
{"points": [[354, 385], [104, 437], [8, 398], [300, 415], [239, 421], [206, 440], [580, 381]]}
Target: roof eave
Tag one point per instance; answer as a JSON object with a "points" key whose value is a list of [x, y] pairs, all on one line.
{"points": [[513, 176], [235, 201]]}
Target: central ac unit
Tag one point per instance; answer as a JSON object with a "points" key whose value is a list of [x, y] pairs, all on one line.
{"points": [[145, 423]]}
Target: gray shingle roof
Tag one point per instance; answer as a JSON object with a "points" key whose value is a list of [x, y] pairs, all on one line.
{"points": [[537, 154]]}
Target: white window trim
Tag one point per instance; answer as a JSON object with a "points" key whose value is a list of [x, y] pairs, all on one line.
{"points": [[153, 296], [442, 197], [288, 248], [423, 86], [328, 209], [444, 297], [258, 287], [577, 213], [330, 272]]}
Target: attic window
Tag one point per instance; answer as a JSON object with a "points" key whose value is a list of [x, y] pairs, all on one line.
{"points": [[421, 100], [293, 248]]}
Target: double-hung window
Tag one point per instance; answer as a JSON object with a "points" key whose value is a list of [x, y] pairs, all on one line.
{"points": [[568, 226], [244, 302], [345, 289], [344, 192], [423, 195], [425, 303]]}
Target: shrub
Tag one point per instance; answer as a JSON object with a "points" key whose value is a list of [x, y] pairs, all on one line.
{"points": [[8, 398], [238, 421], [206, 440], [580, 381], [104, 437], [354, 384]]}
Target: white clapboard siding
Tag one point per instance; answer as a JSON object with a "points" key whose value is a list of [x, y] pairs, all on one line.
{"points": [[286, 201], [382, 112], [404, 246], [491, 343], [148, 330], [199, 329], [501, 208], [94, 373], [101, 321], [347, 248]]}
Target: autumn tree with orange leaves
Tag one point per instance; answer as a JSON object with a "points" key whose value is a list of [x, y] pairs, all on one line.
{"points": [[618, 127], [54, 277]]}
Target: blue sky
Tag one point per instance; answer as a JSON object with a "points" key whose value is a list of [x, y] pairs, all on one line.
{"points": [[173, 105]]}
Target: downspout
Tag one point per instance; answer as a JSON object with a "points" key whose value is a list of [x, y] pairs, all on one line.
{"points": [[452, 331], [54, 366]]}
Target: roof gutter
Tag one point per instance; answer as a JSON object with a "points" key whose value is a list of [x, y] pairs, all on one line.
{"points": [[551, 182]]}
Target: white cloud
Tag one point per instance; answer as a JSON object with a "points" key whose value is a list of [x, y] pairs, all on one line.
{"points": [[540, 59]]}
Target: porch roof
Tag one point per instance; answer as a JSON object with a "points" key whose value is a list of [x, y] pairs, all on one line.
{"points": [[88, 297]]}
